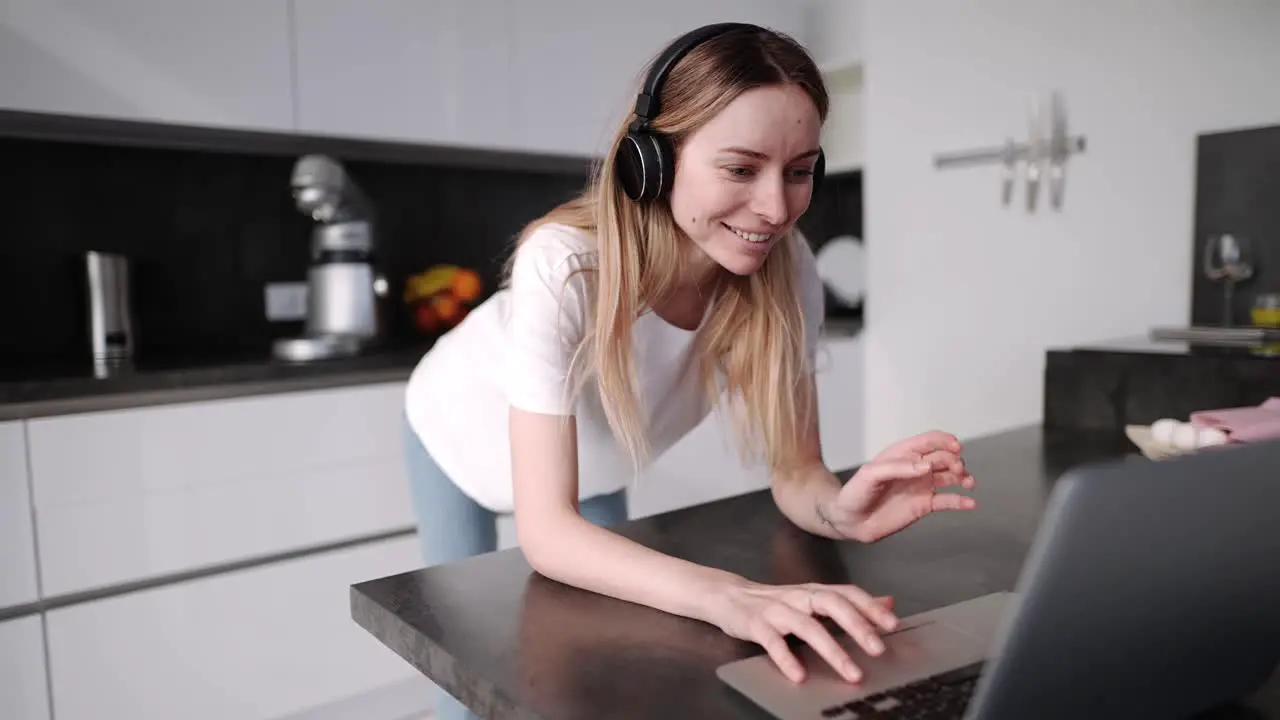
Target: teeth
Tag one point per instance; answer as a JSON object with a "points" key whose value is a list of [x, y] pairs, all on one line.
{"points": [[751, 237]]}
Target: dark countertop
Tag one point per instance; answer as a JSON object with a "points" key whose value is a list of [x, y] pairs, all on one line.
{"points": [[1142, 345], [59, 389], [514, 644], [1109, 384], [50, 389]]}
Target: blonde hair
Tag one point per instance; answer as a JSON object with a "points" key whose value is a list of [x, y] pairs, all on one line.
{"points": [[753, 333]]}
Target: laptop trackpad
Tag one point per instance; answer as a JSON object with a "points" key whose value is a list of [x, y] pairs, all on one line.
{"points": [[910, 654]]}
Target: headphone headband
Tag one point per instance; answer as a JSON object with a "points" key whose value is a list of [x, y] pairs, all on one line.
{"points": [[647, 101]]}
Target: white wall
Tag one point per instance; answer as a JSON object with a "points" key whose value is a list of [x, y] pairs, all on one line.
{"points": [[964, 296]]}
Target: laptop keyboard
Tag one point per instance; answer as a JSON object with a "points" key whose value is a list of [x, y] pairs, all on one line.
{"points": [[944, 696]]}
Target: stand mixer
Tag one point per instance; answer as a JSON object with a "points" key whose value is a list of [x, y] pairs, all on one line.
{"points": [[343, 289]]}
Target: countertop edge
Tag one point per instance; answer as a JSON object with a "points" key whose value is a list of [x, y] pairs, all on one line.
{"points": [[203, 383], [198, 392], [476, 693]]}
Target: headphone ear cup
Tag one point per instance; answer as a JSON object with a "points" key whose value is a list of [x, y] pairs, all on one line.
{"points": [[819, 171], [629, 165], [666, 156], [644, 165]]}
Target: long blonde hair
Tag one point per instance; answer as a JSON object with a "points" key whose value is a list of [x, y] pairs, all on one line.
{"points": [[753, 333]]}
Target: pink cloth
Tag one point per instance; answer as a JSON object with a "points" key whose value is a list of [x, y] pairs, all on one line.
{"points": [[1244, 424]]}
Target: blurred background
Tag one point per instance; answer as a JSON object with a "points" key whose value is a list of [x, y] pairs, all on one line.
{"points": [[230, 230]]}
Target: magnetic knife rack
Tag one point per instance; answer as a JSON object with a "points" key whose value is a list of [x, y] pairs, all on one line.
{"points": [[1044, 154]]}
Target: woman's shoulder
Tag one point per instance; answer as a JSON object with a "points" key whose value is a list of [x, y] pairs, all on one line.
{"points": [[557, 240], [553, 256]]}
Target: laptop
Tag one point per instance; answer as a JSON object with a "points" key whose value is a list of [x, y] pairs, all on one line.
{"points": [[1151, 590]]}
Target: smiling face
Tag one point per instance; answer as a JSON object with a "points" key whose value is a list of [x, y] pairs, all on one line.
{"points": [[744, 178]]}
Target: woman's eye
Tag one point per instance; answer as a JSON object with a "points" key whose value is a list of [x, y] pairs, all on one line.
{"points": [[740, 171]]}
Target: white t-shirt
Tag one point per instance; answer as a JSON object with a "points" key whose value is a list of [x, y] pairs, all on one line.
{"points": [[515, 349]]}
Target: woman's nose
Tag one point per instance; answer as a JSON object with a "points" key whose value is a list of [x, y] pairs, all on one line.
{"points": [[770, 201]]}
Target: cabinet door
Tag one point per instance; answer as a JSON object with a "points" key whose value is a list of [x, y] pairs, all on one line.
{"points": [[573, 89], [130, 494], [24, 691], [214, 63], [17, 537], [261, 643], [435, 72]]}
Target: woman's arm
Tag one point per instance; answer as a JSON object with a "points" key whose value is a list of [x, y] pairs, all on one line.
{"points": [[561, 544], [806, 496], [889, 492]]}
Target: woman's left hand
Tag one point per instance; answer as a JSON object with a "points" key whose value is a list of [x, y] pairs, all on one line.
{"points": [[900, 486]]}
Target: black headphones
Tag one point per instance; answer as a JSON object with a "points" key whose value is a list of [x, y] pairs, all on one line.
{"points": [[646, 163]]}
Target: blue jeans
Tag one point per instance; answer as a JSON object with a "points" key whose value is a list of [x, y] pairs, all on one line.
{"points": [[452, 526]]}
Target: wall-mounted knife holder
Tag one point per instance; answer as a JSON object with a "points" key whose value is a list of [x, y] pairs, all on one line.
{"points": [[1044, 154]]}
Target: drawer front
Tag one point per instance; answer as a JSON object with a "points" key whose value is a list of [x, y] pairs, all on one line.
{"points": [[24, 691], [126, 495], [255, 644], [17, 538]]}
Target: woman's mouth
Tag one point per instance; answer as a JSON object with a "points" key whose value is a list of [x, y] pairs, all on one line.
{"points": [[751, 237]]}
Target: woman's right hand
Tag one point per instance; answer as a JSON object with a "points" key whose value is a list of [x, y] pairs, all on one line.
{"points": [[766, 614]]}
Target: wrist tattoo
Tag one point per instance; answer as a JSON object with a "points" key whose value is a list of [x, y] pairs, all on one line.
{"points": [[822, 518]]}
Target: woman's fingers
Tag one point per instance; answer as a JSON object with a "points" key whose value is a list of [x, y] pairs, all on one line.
{"points": [[943, 460], [839, 608], [922, 444], [952, 501], [787, 619], [855, 610], [882, 471], [773, 643], [872, 608], [949, 479]]}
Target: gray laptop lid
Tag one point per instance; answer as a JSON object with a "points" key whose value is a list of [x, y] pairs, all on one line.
{"points": [[1152, 588]]}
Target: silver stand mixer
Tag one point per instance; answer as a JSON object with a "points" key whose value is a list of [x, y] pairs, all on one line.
{"points": [[343, 289]]}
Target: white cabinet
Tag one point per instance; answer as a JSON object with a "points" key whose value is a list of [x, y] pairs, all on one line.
{"points": [[17, 537], [131, 494], [223, 64], [24, 690], [555, 76], [841, 401], [552, 76], [255, 644], [579, 63], [435, 72]]}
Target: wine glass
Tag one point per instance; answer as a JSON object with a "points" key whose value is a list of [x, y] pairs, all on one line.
{"points": [[1228, 258]]}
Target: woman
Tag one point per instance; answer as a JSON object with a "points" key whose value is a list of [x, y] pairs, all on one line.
{"points": [[629, 314]]}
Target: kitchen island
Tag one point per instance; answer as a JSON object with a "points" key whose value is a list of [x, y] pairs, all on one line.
{"points": [[513, 644]]}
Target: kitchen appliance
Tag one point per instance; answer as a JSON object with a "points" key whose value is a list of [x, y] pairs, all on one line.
{"points": [[344, 291], [111, 320]]}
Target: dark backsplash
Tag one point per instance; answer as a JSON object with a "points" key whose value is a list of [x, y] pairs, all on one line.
{"points": [[207, 228], [207, 220], [1237, 192]]}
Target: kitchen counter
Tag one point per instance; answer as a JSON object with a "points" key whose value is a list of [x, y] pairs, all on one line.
{"points": [[54, 389], [513, 644], [1107, 385], [64, 388]]}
